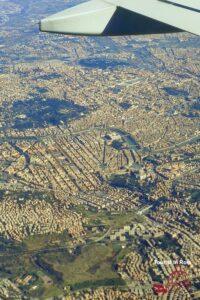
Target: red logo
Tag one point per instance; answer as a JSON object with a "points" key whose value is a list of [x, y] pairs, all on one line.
{"points": [[178, 277]]}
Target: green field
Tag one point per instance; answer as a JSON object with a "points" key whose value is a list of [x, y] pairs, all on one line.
{"points": [[116, 220], [92, 266], [48, 256]]}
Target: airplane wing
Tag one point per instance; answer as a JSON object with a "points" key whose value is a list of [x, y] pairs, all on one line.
{"points": [[124, 17]]}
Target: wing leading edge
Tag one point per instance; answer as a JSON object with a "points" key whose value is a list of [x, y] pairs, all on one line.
{"points": [[125, 17]]}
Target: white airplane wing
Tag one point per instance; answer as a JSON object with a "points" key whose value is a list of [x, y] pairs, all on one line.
{"points": [[124, 17]]}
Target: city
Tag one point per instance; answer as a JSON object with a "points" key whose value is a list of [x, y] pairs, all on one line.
{"points": [[99, 162]]}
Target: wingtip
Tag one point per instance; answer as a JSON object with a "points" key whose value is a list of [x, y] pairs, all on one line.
{"points": [[89, 18]]}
